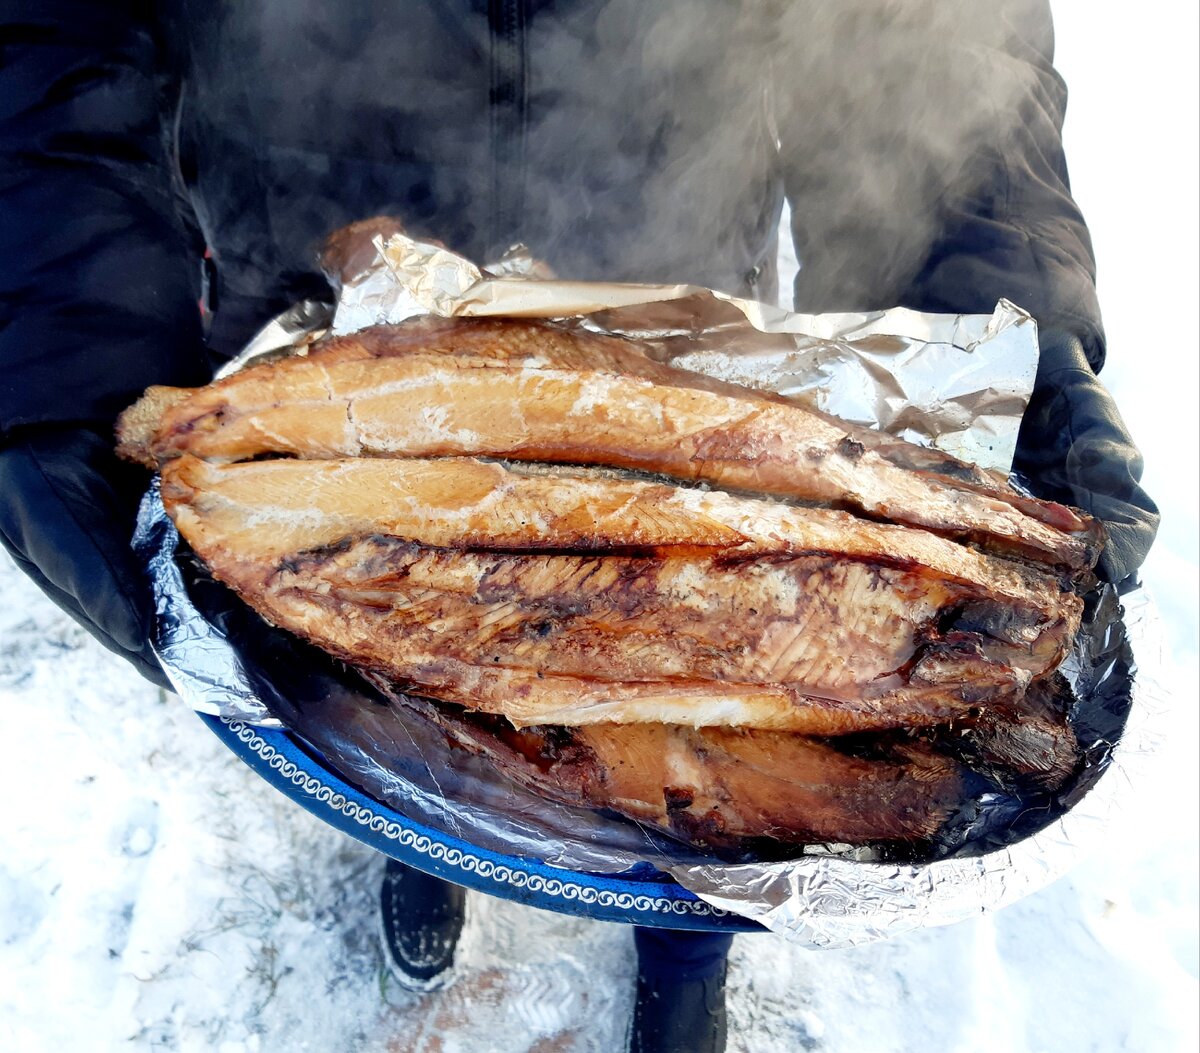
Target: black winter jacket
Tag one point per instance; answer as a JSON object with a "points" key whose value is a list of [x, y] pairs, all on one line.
{"points": [[918, 143]]}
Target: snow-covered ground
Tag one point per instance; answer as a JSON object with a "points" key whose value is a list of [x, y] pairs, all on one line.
{"points": [[155, 894]]}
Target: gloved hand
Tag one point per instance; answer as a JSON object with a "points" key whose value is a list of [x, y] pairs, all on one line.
{"points": [[67, 512], [1074, 448]]}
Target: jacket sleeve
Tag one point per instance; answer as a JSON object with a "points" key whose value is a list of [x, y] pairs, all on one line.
{"points": [[98, 275], [922, 155], [1011, 227]]}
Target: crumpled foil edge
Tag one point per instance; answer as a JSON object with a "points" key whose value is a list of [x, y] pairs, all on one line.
{"points": [[956, 382]]}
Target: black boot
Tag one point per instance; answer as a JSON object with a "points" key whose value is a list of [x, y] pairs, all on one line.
{"points": [[422, 917], [679, 1016]]}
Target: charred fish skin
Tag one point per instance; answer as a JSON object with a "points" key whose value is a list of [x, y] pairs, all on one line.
{"points": [[535, 392], [1033, 743]]}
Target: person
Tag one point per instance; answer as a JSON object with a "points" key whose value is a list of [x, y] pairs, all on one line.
{"points": [[157, 155]]}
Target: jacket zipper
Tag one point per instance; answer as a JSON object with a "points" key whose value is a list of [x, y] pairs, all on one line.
{"points": [[508, 111]]}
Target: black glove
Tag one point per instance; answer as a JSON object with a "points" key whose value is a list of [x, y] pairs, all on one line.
{"points": [[67, 512], [1074, 448]]}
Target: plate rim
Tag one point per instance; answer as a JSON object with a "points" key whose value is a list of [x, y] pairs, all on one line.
{"points": [[275, 756]]}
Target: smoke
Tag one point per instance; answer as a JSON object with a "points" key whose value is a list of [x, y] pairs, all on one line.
{"points": [[619, 139], [892, 115], [670, 131]]}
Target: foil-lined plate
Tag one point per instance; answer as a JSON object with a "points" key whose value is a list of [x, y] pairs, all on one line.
{"points": [[957, 382]]}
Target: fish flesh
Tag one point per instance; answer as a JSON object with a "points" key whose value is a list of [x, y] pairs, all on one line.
{"points": [[556, 598], [716, 787], [536, 392]]}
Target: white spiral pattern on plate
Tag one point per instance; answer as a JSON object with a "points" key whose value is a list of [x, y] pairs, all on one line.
{"points": [[367, 817]]}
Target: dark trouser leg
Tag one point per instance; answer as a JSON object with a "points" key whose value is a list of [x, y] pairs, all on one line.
{"points": [[680, 1005], [677, 954]]}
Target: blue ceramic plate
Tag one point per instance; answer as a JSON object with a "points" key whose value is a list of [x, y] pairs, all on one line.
{"points": [[652, 899]]}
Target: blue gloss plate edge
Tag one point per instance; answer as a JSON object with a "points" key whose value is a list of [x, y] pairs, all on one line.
{"points": [[659, 902]]}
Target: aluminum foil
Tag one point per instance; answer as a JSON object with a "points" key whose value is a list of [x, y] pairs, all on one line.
{"points": [[203, 666], [959, 382]]}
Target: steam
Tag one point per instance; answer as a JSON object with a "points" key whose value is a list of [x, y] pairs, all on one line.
{"points": [[654, 142], [890, 115]]}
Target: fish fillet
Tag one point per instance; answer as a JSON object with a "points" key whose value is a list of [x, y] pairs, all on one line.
{"points": [[519, 594], [716, 786], [535, 392]]}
